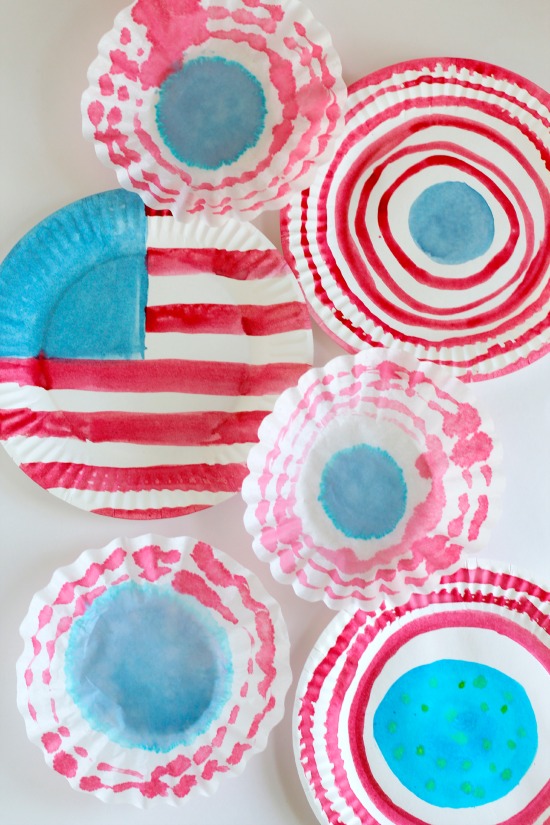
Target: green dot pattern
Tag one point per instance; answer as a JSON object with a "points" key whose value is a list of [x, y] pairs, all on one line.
{"points": [[458, 734]]}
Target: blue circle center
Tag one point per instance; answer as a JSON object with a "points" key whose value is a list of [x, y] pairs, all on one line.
{"points": [[451, 223], [147, 667], [363, 491], [457, 734], [210, 112]]}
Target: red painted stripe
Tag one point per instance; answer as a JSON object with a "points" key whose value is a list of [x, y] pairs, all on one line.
{"points": [[422, 276], [157, 213], [217, 478], [378, 302], [220, 319], [166, 375], [175, 429], [496, 72], [151, 513], [248, 265]]}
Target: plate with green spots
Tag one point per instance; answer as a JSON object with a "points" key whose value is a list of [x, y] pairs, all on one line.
{"points": [[433, 712]]}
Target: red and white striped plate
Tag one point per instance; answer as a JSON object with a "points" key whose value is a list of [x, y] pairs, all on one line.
{"points": [[430, 225], [138, 355]]}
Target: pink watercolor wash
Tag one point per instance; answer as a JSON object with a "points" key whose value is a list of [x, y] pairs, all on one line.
{"points": [[286, 61], [442, 465], [94, 760], [485, 614]]}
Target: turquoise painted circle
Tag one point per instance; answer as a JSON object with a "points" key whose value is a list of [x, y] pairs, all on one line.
{"points": [[452, 223], [210, 112], [363, 491], [457, 734], [149, 668]]}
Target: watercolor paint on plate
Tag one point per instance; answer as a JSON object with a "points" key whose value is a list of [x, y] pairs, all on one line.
{"points": [[430, 225], [218, 109], [372, 476], [139, 354], [152, 668]]}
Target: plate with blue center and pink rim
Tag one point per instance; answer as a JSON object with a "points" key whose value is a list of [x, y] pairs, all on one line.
{"points": [[434, 712], [429, 226], [151, 668], [370, 477], [210, 109], [138, 354]]}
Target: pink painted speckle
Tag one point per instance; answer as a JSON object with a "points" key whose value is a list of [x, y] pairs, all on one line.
{"points": [[51, 742], [65, 764], [479, 517], [104, 766], [202, 754], [96, 110], [45, 616], [474, 449], [192, 584], [121, 64], [155, 562], [106, 85], [183, 787], [91, 783]]}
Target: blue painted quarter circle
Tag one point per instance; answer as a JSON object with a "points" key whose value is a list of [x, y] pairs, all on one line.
{"points": [[76, 285], [147, 667], [363, 491], [457, 734], [452, 223], [210, 112]]}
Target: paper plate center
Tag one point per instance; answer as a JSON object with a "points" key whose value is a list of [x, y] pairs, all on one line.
{"points": [[457, 734], [452, 223], [210, 112], [363, 491], [148, 668]]}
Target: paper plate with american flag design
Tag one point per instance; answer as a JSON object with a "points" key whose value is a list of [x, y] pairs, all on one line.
{"points": [[139, 354]]}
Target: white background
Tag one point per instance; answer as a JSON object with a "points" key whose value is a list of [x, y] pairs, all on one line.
{"points": [[45, 49]]}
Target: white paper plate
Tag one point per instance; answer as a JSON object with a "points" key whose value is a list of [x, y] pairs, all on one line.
{"points": [[151, 668], [214, 109], [435, 712], [373, 475], [430, 225], [139, 354]]}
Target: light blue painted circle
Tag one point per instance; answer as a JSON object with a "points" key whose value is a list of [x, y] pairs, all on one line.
{"points": [[210, 112], [149, 668], [457, 734], [363, 491], [452, 223]]}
